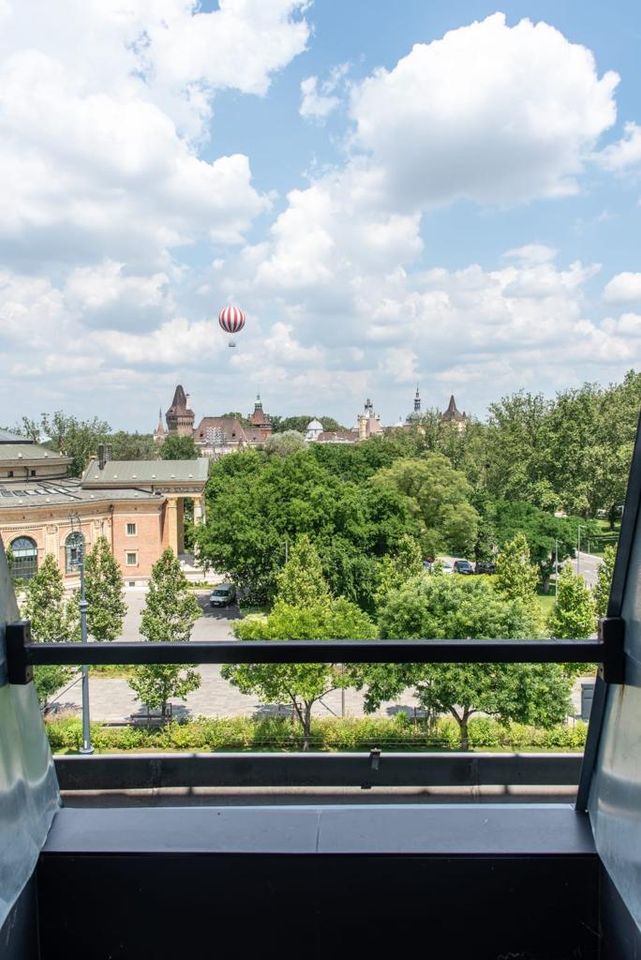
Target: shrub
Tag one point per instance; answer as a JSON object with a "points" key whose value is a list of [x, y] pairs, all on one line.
{"points": [[399, 733]]}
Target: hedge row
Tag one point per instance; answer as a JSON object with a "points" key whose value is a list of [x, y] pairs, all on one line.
{"points": [[278, 733]]}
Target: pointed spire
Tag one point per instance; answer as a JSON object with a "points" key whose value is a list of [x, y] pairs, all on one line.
{"points": [[417, 401]]}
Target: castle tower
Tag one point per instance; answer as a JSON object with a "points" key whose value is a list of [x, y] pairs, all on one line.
{"points": [[259, 419], [180, 419], [160, 433], [454, 416], [416, 414]]}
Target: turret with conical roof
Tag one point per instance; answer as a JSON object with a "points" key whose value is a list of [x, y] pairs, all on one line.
{"points": [[160, 433], [454, 416], [180, 419]]}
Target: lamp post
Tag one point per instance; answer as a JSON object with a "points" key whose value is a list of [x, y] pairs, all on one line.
{"points": [[86, 747], [578, 548], [556, 568]]}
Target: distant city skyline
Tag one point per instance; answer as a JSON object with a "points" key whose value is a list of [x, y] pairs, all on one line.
{"points": [[444, 194]]}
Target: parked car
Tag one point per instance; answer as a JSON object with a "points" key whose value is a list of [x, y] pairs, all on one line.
{"points": [[485, 566], [223, 595], [443, 565], [464, 567]]}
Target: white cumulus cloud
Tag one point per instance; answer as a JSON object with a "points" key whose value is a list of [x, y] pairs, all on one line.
{"points": [[492, 113], [623, 288]]}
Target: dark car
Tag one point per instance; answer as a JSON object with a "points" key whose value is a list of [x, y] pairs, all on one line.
{"points": [[223, 595], [464, 567], [485, 566]]}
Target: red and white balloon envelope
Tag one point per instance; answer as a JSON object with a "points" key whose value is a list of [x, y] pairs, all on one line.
{"points": [[231, 320]]}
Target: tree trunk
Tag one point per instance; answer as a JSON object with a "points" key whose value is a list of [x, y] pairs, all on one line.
{"points": [[307, 725]]}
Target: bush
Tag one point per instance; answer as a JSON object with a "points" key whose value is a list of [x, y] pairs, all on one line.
{"points": [[400, 733]]}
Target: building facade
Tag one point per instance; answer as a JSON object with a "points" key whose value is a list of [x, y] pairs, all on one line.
{"points": [[138, 506]]}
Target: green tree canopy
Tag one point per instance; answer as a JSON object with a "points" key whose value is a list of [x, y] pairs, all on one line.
{"points": [[448, 607], [256, 504], [439, 496], [104, 588], [574, 613], [301, 685], [54, 618], [178, 448], [133, 446], [301, 582], [604, 581], [284, 443], [170, 611]]}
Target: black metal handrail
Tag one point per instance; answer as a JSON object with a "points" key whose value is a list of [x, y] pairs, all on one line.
{"points": [[363, 770], [320, 651]]}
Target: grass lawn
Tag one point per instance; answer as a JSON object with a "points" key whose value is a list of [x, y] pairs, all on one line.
{"points": [[546, 601]]}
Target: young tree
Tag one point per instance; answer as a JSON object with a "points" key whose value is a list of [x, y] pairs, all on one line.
{"points": [[304, 610], [53, 619], [301, 582], [170, 612], [604, 581], [574, 613], [448, 608], [516, 577], [397, 568], [178, 448], [104, 587]]}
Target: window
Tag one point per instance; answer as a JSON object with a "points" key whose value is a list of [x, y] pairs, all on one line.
{"points": [[132, 559], [10, 474], [32, 473], [131, 529], [25, 558], [74, 549]]}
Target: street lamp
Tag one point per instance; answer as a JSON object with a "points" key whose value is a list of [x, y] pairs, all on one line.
{"points": [[82, 605], [578, 548], [556, 568]]}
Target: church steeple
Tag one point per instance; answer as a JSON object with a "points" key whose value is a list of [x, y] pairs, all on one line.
{"points": [[417, 401]]}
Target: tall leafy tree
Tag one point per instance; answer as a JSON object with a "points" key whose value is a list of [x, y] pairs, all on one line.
{"points": [[574, 613], [169, 614], [301, 582], [304, 610], [256, 505], [397, 568], [133, 446], [516, 576], [444, 607], [74, 438], [54, 618], [104, 590], [604, 581], [440, 496], [178, 448]]}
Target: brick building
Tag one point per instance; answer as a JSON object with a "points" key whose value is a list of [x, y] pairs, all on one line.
{"points": [[137, 505]]}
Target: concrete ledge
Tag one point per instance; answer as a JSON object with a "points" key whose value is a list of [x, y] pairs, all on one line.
{"points": [[438, 829]]}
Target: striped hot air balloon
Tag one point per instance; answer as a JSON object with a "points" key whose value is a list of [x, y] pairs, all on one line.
{"points": [[231, 320]]}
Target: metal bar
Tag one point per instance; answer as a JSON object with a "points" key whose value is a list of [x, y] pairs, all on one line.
{"points": [[592, 740], [322, 651], [18, 639], [156, 771], [629, 524]]}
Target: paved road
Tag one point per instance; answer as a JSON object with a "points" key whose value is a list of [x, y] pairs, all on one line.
{"points": [[112, 701], [588, 566]]}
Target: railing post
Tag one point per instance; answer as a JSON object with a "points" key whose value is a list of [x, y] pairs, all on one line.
{"points": [[19, 670]]}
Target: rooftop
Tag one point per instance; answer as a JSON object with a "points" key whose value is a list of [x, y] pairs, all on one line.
{"points": [[145, 472], [40, 493]]}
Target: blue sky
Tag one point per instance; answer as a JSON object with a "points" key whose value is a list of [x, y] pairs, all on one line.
{"points": [[394, 193]]}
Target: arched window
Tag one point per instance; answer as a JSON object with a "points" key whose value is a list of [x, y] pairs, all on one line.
{"points": [[25, 557], [74, 548]]}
